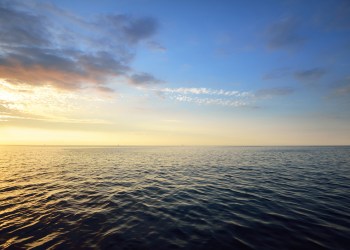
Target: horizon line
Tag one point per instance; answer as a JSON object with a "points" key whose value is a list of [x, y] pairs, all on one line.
{"points": [[174, 145]]}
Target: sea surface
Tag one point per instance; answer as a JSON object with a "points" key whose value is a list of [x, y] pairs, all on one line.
{"points": [[174, 197]]}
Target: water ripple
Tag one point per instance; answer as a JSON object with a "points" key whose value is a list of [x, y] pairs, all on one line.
{"points": [[174, 197]]}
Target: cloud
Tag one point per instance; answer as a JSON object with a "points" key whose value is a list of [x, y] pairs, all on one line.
{"points": [[130, 29], [285, 34], [25, 102], [18, 27], [143, 79], [206, 96], [53, 67], [308, 75], [211, 101], [104, 89], [271, 92], [43, 45], [205, 91], [220, 97], [8, 112], [139, 29], [4, 109]]}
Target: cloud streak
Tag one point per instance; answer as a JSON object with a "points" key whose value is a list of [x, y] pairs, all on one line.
{"points": [[205, 91], [313, 74], [220, 97], [211, 101], [207, 96], [143, 79]]}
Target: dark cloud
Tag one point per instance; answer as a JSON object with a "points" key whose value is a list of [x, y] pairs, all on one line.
{"points": [[285, 34], [140, 29], [54, 67], [34, 48], [310, 75], [143, 79], [18, 27], [31, 57], [271, 92]]}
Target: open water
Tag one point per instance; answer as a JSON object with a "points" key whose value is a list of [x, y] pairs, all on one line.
{"points": [[174, 197]]}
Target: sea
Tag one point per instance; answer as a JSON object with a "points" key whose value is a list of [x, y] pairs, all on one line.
{"points": [[75, 197]]}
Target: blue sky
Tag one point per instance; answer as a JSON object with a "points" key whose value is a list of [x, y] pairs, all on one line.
{"points": [[175, 72]]}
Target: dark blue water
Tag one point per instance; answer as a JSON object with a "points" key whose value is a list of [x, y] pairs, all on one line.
{"points": [[175, 197]]}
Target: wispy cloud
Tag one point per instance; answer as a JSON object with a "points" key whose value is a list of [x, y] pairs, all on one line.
{"points": [[129, 28], [310, 75], [306, 76], [205, 91], [45, 103], [143, 79], [220, 97], [206, 96], [211, 101], [285, 34]]}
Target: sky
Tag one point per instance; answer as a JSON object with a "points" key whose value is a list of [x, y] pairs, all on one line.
{"points": [[148, 72]]}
